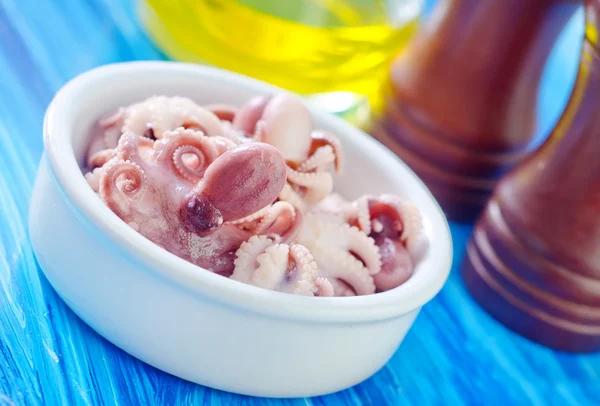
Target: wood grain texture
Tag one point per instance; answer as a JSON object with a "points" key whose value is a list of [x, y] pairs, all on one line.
{"points": [[454, 355]]}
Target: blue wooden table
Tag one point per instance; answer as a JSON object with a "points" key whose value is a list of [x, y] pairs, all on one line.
{"points": [[455, 354]]}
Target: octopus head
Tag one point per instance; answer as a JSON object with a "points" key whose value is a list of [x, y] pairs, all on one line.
{"points": [[286, 124], [248, 116], [242, 181]]}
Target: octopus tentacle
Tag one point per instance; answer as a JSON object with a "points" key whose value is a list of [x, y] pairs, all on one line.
{"points": [[340, 288], [293, 229], [324, 287], [192, 168], [200, 119], [402, 216], [142, 116], [318, 161], [122, 182], [397, 229], [223, 144], [171, 149], [323, 138], [99, 158], [262, 262], [288, 194], [413, 227], [111, 137], [342, 252], [93, 178], [112, 118], [127, 149], [246, 257], [335, 204], [234, 135], [130, 148], [163, 114], [397, 264], [111, 124], [301, 272], [363, 215], [105, 134], [272, 266], [357, 244], [278, 219], [225, 112], [346, 268], [408, 214], [316, 185], [252, 218]]}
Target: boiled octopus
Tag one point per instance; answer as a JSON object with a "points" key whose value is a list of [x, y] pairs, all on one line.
{"points": [[247, 193]]}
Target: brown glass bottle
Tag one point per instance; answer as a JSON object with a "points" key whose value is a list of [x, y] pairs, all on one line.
{"points": [[534, 259], [461, 109]]}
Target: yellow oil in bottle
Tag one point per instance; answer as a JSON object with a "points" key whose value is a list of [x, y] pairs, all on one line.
{"points": [[307, 46], [591, 33]]}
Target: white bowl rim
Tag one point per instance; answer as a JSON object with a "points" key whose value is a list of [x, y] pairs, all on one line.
{"points": [[417, 291]]}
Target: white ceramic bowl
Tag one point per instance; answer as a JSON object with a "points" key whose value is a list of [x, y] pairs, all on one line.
{"points": [[190, 322]]}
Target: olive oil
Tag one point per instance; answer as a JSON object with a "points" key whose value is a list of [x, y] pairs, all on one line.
{"points": [[307, 46]]}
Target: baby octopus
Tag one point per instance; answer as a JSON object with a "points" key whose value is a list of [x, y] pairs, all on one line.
{"points": [[284, 122], [246, 192]]}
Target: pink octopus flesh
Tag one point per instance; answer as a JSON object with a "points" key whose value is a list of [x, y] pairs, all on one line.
{"points": [[247, 192]]}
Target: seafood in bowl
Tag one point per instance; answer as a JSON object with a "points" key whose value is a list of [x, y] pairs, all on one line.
{"points": [[191, 321], [247, 193]]}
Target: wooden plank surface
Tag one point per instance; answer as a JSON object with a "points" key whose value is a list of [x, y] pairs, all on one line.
{"points": [[455, 354]]}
